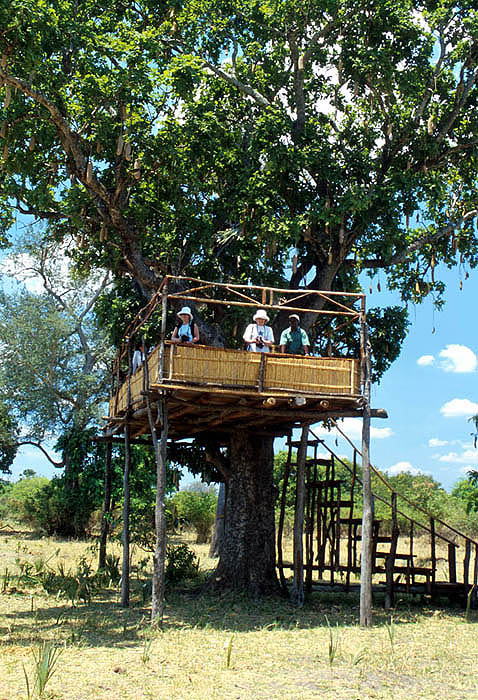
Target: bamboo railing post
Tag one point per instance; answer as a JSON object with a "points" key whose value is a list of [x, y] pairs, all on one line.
{"points": [[105, 524], [367, 517], [390, 562], [297, 592], [126, 492]]}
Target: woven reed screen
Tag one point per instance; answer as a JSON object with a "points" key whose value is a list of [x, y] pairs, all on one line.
{"points": [[235, 368]]}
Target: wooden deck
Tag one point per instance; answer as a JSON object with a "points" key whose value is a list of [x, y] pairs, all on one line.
{"points": [[222, 389]]}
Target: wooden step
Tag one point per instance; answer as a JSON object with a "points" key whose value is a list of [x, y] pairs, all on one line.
{"points": [[342, 504], [402, 557], [310, 443], [323, 484]]}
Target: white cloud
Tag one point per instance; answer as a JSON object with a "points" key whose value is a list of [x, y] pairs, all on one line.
{"points": [[425, 360], [401, 467], [465, 470], [352, 427], [436, 442], [464, 457], [458, 359], [459, 407]]}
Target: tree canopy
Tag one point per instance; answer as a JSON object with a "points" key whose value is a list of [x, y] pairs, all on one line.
{"points": [[272, 140]]}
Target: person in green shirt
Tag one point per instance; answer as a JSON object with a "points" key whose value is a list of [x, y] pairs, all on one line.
{"points": [[294, 340]]}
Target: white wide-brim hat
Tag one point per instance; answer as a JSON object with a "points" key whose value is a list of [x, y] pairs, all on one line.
{"points": [[260, 313], [185, 311]]}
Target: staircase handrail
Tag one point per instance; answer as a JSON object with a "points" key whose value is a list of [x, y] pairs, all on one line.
{"points": [[407, 500]]}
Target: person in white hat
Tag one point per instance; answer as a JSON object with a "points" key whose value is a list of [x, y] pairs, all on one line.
{"points": [[294, 340], [186, 331], [258, 336]]}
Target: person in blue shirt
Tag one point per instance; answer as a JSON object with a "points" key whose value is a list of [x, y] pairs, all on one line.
{"points": [[186, 331], [294, 340]]}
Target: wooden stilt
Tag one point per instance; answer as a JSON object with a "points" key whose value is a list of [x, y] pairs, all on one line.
{"points": [[390, 561], [106, 507], [297, 592], [160, 449], [280, 528], [126, 493], [367, 516]]}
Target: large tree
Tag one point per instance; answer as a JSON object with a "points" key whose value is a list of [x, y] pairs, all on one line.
{"points": [[229, 139]]}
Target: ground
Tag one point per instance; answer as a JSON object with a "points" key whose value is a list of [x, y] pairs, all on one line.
{"points": [[227, 647]]}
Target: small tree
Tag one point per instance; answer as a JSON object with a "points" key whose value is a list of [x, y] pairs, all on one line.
{"points": [[196, 507]]}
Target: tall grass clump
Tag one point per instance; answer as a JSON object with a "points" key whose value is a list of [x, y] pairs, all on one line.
{"points": [[45, 663]]}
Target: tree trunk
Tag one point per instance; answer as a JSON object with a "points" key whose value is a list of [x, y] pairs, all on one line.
{"points": [[247, 561], [218, 528]]}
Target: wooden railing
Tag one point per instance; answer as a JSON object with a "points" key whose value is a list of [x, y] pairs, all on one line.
{"points": [[219, 369]]}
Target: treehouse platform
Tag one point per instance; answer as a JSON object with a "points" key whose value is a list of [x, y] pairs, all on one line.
{"points": [[218, 389], [209, 388]]}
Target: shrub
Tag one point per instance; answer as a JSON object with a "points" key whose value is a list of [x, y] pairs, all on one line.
{"points": [[16, 498], [54, 509], [181, 564], [197, 508]]}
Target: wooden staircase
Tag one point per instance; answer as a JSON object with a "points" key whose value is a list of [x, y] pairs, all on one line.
{"points": [[333, 534]]}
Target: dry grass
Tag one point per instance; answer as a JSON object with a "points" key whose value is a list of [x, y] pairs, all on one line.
{"points": [[275, 650]]}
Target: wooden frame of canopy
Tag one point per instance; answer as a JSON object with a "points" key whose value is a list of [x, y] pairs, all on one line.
{"points": [[198, 292]]}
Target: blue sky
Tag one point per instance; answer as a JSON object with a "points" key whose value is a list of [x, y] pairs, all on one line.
{"points": [[429, 392]]}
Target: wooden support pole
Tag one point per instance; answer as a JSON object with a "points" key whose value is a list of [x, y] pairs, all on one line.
{"points": [[349, 526], [164, 313], [280, 527], [433, 550], [126, 508], [126, 493], [160, 450], [452, 563], [105, 522], [159, 557], [367, 516], [297, 592], [390, 561], [466, 565]]}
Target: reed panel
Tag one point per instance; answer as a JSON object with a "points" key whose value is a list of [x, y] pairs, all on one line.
{"points": [[317, 375]]}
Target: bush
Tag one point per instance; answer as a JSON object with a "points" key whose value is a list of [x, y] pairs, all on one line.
{"points": [[54, 509], [181, 564], [15, 499], [197, 509]]}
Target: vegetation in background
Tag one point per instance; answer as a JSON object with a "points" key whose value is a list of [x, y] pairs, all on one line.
{"points": [[195, 507]]}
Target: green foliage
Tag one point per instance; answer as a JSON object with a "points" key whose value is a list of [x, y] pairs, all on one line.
{"points": [[197, 509], [8, 438], [181, 564], [196, 151], [16, 499], [466, 491], [45, 663]]}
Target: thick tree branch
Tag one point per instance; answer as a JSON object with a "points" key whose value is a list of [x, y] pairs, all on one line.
{"points": [[58, 465]]}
